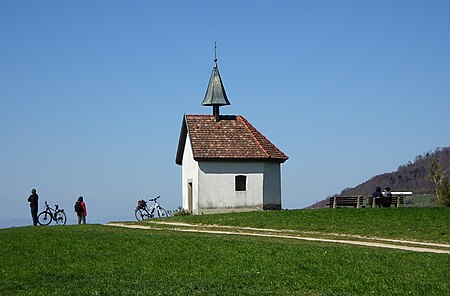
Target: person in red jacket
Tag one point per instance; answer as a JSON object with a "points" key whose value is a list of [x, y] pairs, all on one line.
{"points": [[80, 209]]}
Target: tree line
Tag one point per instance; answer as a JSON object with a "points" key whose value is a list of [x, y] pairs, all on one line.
{"points": [[413, 176]]}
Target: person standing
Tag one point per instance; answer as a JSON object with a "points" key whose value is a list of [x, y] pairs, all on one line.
{"points": [[33, 200], [80, 209]]}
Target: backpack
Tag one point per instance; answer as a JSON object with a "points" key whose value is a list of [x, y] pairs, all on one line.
{"points": [[78, 207], [141, 204]]}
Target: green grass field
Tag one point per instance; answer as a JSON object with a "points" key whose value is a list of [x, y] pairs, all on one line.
{"points": [[424, 224], [423, 200], [103, 260]]}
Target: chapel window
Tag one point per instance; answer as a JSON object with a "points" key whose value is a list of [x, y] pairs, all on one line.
{"points": [[240, 183]]}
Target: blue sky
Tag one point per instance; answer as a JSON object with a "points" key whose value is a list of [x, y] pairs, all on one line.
{"points": [[92, 93]]}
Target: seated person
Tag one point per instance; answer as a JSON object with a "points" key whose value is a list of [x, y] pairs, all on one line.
{"points": [[378, 196], [387, 197]]}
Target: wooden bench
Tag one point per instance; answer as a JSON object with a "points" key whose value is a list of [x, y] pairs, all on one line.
{"points": [[345, 201], [398, 198]]}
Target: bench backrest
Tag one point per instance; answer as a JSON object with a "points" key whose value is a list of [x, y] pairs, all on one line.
{"points": [[354, 201], [396, 200]]}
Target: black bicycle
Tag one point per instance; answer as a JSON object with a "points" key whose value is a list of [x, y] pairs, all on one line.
{"points": [[155, 211], [49, 214]]}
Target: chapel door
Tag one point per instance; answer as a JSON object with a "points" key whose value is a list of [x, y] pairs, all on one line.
{"points": [[190, 197]]}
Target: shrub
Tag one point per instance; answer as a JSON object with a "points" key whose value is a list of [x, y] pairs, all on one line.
{"points": [[181, 212]]}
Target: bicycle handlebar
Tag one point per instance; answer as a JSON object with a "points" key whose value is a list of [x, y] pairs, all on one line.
{"points": [[154, 199], [47, 206]]}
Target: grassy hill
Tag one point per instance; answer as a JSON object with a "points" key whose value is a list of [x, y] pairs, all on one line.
{"points": [[408, 177], [102, 260], [412, 176]]}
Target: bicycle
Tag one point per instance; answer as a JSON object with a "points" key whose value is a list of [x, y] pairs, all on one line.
{"points": [[49, 214], [143, 212]]}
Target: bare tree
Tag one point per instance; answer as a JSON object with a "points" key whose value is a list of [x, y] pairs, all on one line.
{"points": [[439, 177]]}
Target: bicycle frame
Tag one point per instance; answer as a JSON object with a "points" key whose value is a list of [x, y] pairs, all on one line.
{"points": [[51, 210], [155, 206]]}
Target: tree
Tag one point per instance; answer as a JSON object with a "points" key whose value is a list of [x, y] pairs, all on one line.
{"points": [[439, 177]]}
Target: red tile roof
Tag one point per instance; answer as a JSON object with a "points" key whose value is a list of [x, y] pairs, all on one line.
{"points": [[233, 137]]}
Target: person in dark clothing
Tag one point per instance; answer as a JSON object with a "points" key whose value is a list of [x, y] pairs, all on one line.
{"points": [[378, 196], [33, 200]]}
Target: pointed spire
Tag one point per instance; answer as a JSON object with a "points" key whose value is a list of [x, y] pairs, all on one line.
{"points": [[215, 93]]}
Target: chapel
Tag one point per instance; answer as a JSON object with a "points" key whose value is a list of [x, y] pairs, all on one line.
{"points": [[227, 164]]}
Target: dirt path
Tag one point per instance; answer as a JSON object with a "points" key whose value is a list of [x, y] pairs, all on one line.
{"points": [[292, 234]]}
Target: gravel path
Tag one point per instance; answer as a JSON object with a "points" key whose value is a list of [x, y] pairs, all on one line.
{"points": [[291, 234]]}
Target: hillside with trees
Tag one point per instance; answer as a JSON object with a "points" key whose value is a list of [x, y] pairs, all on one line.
{"points": [[412, 176]]}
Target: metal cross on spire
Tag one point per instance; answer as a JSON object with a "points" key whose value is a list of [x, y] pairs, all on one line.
{"points": [[215, 54]]}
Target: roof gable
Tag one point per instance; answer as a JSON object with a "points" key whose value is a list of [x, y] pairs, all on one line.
{"points": [[231, 138]]}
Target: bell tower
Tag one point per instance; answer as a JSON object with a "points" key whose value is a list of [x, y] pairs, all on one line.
{"points": [[215, 93]]}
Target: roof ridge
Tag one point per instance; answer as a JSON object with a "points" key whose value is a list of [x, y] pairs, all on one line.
{"points": [[251, 132]]}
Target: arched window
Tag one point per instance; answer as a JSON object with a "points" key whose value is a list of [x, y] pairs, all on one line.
{"points": [[240, 183]]}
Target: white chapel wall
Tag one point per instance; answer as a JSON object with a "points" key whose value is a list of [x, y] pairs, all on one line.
{"points": [[216, 189], [189, 174], [272, 186]]}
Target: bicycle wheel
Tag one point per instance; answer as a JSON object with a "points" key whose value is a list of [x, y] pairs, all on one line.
{"points": [[141, 214], [162, 213], [60, 218], [44, 218]]}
